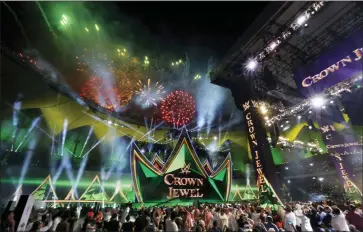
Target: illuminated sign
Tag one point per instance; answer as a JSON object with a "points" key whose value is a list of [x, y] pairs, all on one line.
{"points": [[252, 135], [177, 184], [260, 152], [183, 177], [307, 82], [342, 62]]}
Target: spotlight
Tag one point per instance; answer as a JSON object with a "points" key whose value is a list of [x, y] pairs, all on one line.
{"points": [[317, 101], [215, 137], [310, 112], [142, 150], [310, 127], [286, 168], [305, 25], [273, 45], [299, 117], [301, 20], [314, 178], [321, 179], [311, 164], [263, 109], [282, 126], [332, 102], [269, 124], [287, 122], [288, 181], [200, 138], [266, 117], [251, 65], [109, 122], [323, 107]]}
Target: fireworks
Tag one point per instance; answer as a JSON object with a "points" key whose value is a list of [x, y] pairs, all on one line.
{"points": [[178, 108], [149, 94], [102, 92], [120, 69]]}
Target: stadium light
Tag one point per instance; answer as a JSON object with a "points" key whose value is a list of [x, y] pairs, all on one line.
{"points": [[317, 101], [251, 65]]}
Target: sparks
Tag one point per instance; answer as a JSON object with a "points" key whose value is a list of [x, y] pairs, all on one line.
{"points": [[149, 94]]}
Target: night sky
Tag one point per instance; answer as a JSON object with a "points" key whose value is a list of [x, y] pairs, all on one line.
{"points": [[211, 27], [170, 29]]}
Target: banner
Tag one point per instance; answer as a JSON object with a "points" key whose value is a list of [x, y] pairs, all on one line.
{"points": [[261, 155], [340, 63], [339, 146]]}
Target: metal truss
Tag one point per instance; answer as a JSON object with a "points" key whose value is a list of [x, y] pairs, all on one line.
{"points": [[307, 48]]}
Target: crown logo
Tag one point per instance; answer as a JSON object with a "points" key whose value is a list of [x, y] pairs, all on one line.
{"points": [[186, 169], [147, 175]]}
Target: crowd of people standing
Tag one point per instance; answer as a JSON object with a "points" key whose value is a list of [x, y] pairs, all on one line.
{"points": [[206, 217]]}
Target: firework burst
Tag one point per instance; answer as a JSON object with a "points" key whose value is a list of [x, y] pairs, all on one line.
{"points": [[149, 94], [178, 108], [101, 92]]}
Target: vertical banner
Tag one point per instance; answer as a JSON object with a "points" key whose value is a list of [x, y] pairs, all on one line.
{"points": [[261, 154], [339, 146]]}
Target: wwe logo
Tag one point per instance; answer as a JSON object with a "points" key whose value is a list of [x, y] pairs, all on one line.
{"points": [[185, 169], [246, 105]]}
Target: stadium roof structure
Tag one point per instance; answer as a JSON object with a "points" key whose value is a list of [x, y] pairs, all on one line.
{"points": [[300, 42]]}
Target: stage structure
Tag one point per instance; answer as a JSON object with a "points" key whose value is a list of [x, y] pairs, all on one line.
{"points": [[182, 179], [266, 57]]}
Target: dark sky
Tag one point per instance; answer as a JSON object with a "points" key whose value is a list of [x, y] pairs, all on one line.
{"points": [[214, 26], [202, 29]]}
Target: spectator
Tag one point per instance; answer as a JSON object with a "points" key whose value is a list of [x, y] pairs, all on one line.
{"points": [[63, 226], [269, 224], [338, 222], [290, 220], [127, 225], [170, 224], [354, 218], [113, 224], [215, 227]]}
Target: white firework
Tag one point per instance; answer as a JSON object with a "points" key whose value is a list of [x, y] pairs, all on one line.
{"points": [[149, 94]]}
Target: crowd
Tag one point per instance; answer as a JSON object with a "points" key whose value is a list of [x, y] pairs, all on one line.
{"points": [[214, 218]]}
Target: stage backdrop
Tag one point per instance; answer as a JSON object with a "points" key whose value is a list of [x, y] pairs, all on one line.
{"points": [[182, 178], [342, 62]]}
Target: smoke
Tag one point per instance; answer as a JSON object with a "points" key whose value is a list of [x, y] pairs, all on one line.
{"points": [[209, 100], [248, 174]]}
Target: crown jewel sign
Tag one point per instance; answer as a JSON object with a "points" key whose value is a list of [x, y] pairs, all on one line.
{"points": [[197, 180]]}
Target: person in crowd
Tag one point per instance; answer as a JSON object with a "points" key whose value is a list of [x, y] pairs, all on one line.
{"points": [[113, 224], [223, 219], [141, 222], [314, 219], [338, 222], [36, 226], [354, 218], [128, 225], [299, 215], [269, 224], [63, 226], [208, 219], [56, 220], [305, 221], [328, 218], [258, 227], [232, 222], [289, 220], [256, 214], [170, 224], [322, 214], [215, 227], [11, 222]]}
